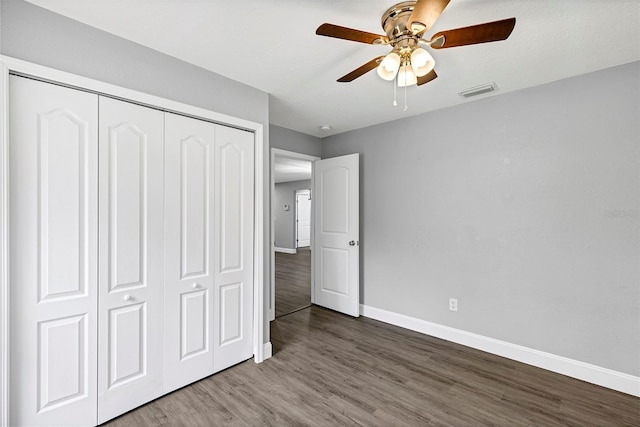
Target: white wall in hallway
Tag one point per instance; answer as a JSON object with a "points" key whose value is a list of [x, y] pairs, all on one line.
{"points": [[285, 220]]}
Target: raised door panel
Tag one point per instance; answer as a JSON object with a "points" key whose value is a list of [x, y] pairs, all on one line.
{"points": [[333, 265], [128, 152], [189, 237], [62, 361], [53, 249], [194, 326], [230, 304], [233, 310], [334, 212], [127, 344], [130, 256]]}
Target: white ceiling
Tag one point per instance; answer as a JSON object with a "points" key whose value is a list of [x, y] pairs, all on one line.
{"points": [[271, 45], [286, 169]]}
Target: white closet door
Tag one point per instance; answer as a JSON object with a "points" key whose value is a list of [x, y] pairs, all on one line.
{"points": [[233, 298], [130, 256], [189, 244], [53, 268]]}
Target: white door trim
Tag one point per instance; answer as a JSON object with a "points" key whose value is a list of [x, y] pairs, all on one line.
{"points": [[277, 152], [4, 246], [8, 65]]}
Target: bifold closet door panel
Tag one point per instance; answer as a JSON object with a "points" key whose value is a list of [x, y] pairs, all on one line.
{"points": [[233, 298], [130, 256], [189, 244], [53, 199]]}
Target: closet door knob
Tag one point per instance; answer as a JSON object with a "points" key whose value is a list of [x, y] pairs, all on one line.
{"points": [[127, 297], [195, 286]]}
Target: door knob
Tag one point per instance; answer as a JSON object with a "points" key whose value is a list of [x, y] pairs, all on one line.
{"points": [[353, 243], [195, 286], [127, 297]]}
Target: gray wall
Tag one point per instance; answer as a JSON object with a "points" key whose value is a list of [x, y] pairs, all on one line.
{"points": [[37, 35], [525, 206], [291, 140], [285, 221]]}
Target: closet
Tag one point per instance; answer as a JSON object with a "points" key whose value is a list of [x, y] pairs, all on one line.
{"points": [[130, 252]]}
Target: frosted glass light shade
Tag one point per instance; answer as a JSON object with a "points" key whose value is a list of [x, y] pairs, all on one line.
{"points": [[388, 67], [406, 76], [422, 62]]}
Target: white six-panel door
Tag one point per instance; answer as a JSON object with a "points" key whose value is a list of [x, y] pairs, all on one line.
{"points": [[189, 248], [131, 257], [233, 290], [53, 264]]}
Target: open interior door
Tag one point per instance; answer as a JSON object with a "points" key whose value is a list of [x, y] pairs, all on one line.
{"points": [[336, 251]]}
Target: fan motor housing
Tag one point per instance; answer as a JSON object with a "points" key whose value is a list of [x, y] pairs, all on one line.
{"points": [[394, 22]]}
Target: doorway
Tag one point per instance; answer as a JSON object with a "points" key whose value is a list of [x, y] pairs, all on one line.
{"points": [[291, 231]]}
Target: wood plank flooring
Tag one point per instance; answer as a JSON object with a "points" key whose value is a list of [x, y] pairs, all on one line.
{"points": [[331, 369], [293, 281]]}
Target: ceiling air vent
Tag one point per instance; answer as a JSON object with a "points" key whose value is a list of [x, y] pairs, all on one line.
{"points": [[479, 90]]}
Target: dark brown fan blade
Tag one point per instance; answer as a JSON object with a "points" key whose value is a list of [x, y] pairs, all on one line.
{"points": [[361, 70], [345, 33], [482, 33], [431, 75], [424, 14]]}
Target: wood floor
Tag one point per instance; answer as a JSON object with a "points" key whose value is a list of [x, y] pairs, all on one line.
{"points": [[330, 369], [293, 281]]}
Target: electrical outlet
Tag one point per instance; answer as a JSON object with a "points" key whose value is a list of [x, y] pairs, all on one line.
{"points": [[453, 304]]}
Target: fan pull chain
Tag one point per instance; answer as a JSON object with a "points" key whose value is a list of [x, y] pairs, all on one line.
{"points": [[405, 98], [395, 85]]}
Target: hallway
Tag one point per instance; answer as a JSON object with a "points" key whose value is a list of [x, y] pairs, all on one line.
{"points": [[293, 281]]}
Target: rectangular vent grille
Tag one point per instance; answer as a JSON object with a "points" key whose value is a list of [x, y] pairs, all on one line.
{"points": [[479, 90]]}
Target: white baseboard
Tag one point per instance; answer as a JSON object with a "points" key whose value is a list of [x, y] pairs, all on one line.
{"points": [[285, 250], [267, 351], [573, 368]]}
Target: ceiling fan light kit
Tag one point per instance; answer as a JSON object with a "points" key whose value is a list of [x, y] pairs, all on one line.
{"points": [[389, 66], [422, 62], [405, 24], [406, 76]]}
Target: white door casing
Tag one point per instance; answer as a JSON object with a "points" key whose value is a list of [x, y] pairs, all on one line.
{"points": [[303, 218], [189, 250], [336, 240], [130, 257], [233, 289], [53, 202]]}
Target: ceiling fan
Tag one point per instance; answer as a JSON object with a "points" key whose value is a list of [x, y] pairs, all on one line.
{"points": [[405, 24]]}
